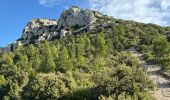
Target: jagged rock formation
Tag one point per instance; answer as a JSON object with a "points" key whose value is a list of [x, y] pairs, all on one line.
{"points": [[38, 30], [72, 21], [78, 17], [13, 46]]}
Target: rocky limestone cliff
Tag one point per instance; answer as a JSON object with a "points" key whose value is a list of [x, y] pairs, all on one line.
{"points": [[72, 21], [77, 17], [38, 30]]}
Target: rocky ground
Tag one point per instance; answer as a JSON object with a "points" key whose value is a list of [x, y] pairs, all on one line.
{"points": [[163, 90]]}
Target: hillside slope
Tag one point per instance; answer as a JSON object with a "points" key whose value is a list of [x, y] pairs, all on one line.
{"points": [[85, 55], [163, 91]]}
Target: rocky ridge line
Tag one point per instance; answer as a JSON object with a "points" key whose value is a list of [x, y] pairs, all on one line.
{"points": [[72, 21]]}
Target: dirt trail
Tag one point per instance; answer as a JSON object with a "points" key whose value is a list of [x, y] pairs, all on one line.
{"points": [[163, 92]]}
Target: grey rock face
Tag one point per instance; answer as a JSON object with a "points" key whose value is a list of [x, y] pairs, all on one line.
{"points": [[72, 21], [13, 46], [38, 28], [77, 17], [109, 24], [63, 33]]}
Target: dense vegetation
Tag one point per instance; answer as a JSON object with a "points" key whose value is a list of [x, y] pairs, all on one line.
{"points": [[86, 66]]}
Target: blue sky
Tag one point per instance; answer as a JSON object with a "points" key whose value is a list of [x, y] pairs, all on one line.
{"points": [[14, 14]]}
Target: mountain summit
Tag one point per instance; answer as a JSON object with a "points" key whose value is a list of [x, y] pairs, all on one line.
{"points": [[78, 17], [74, 20], [85, 55]]}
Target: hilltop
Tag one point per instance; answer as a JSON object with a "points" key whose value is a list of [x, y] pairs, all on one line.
{"points": [[86, 55], [72, 21]]}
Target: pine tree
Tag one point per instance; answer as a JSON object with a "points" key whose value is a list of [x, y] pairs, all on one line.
{"points": [[101, 43], [47, 58], [2, 80], [160, 47], [65, 63], [80, 52]]}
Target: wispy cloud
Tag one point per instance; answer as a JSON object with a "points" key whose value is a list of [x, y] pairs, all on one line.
{"points": [[63, 3], [148, 11], [49, 3]]}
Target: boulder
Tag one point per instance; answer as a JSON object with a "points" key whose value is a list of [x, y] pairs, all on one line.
{"points": [[63, 33], [17, 45]]}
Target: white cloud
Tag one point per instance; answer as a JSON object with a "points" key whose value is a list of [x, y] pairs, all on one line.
{"points": [[148, 11], [49, 3]]}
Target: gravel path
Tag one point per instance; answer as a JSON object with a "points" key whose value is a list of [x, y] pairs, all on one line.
{"points": [[163, 91]]}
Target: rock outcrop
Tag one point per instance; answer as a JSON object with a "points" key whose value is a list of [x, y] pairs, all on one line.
{"points": [[76, 17], [38, 30], [13, 46], [72, 21]]}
